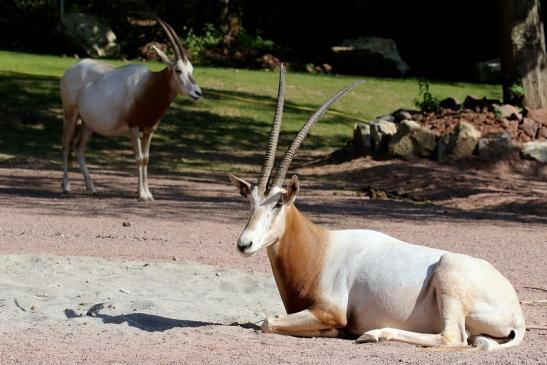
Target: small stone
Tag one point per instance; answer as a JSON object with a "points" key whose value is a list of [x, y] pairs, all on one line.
{"points": [[175, 258], [400, 114], [126, 224]]}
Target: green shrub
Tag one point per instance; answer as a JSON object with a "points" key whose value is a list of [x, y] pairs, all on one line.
{"points": [[426, 101], [212, 47]]}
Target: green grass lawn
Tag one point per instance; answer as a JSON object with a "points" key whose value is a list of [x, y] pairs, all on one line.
{"points": [[226, 130]]}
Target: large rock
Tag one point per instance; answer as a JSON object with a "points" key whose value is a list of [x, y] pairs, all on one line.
{"points": [[507, 111], [495, 146], [536, 150], [530, 127], [488, 71], [91, 34], [362, 140], [369, 55], [459, 143], [381, 132], [412, 141]]}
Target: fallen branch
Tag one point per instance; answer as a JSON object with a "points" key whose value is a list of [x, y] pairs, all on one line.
{"points": [[540, 328], [535, 288]]}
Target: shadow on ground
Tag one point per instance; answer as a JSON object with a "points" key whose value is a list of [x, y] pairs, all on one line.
{"points": [[152, 322]]}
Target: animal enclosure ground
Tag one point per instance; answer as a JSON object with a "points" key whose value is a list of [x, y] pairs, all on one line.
{"points": [[135, 267], [162, 282]]}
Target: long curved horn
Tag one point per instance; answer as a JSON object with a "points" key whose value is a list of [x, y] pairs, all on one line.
{"points": [[175, 42], [269, 159], [291, 151], [179, 44]]}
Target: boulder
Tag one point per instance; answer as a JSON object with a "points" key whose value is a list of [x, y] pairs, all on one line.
{"points": [[449, 103], [369, 55], [412, 141], [536, 150], [459, 143], [538, 115], [362, 141], [495, 146], [90, 34], [381, 132], [508, 111], [488, 71]]}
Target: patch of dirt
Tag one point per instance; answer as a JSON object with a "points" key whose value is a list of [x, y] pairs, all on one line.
{"points": [[485, 120]]}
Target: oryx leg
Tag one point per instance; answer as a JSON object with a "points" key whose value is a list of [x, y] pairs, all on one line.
{"points": [[146, 138], [85, 134], [302, 324], [69, 126], [135, 135], [453, 327]]}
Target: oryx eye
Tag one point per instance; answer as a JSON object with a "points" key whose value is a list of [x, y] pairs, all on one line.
{"points": [[178, 70], [278, 205]]}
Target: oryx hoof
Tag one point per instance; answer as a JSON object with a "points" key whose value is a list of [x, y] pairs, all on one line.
{"points": [[267, 325], [368, 337], [145, 198], [66, 188]]}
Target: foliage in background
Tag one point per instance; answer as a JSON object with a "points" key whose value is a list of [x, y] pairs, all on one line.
{"points": [[516, 95], [426, 101], [304, 28], [213, 47]]}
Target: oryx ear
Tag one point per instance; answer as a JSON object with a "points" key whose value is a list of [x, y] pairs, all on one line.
{"points": [[162, 55], [293, 188], [243, 186]]}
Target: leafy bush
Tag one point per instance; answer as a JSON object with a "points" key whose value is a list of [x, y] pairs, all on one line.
{"points": [[516, 95], [212, 46], [426, 101]]}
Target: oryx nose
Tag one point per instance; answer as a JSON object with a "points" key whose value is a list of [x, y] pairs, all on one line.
{"points": [[242, 246], [198, 92]]}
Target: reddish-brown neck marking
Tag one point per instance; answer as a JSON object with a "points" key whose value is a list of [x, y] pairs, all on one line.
{"points": [[153, 100], [297, 261]]}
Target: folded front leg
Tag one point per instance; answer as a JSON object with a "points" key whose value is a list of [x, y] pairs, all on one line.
{"points": [[301, 324]]}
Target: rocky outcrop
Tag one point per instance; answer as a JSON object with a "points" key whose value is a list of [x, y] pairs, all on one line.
{"points": [[488, 71], [369, 55], [90, 34], [458, 144], [412, 141]]}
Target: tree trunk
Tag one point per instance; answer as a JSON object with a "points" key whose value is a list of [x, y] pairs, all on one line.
{"points": [[524, 60]]}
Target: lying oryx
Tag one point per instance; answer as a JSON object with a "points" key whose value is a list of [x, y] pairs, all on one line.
{"points": [[128, 100], [365, 283]]}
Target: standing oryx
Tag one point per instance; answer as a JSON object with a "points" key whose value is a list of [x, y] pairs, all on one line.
{"points": [[119, 101], [365, 283]]}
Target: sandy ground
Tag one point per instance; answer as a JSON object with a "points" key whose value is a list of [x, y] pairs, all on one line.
{"points": [[105, 279]]}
